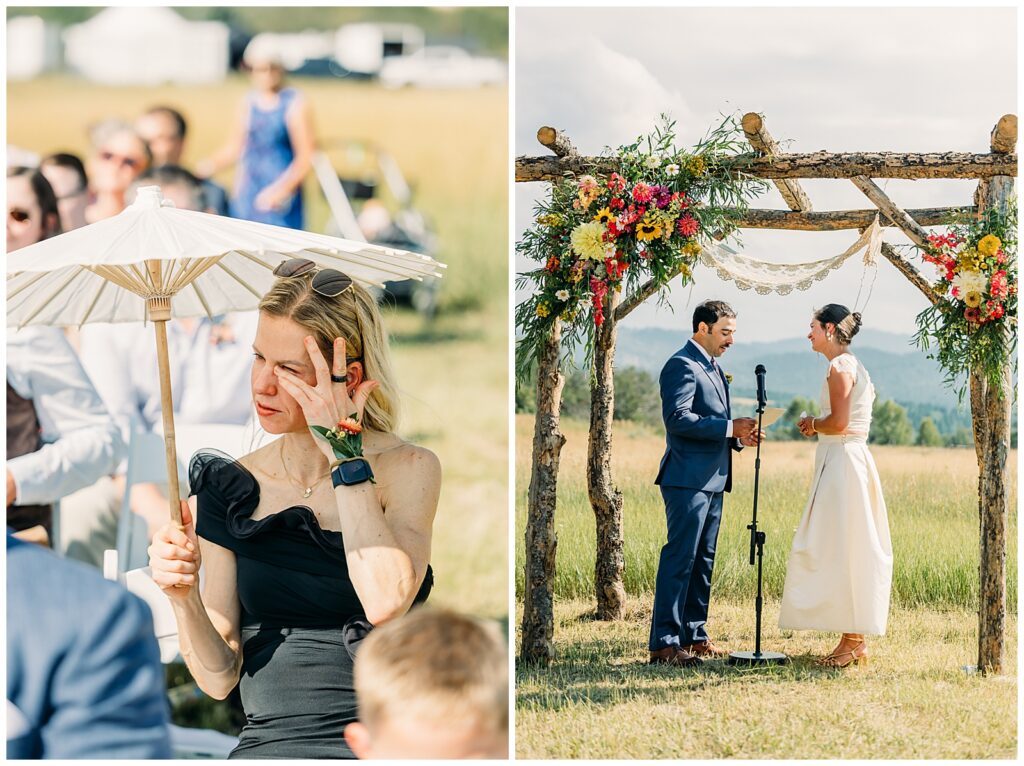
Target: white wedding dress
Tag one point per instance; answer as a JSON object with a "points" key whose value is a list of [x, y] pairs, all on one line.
{"points": [[840, 567]]}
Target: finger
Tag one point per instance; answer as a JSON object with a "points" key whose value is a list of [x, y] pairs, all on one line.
{"points": [[171, 534], [316, 356], [362, 394], [160, 550], [298, 388], [176, 566], [340, 351]]}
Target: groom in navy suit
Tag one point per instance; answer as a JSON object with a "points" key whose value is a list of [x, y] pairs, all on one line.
{"points": [[695, 471]]}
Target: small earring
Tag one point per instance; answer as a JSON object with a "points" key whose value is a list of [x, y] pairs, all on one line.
{"points": [[829, 337]]}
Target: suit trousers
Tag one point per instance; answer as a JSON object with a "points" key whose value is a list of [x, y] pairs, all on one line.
{"points": [[683, 586]]}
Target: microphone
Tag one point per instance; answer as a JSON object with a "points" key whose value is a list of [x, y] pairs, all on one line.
{"points": [[762, 397]]}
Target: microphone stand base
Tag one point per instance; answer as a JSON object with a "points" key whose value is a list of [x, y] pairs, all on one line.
{"points": [[755, 658]]}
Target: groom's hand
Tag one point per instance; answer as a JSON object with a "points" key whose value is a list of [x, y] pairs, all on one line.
{"points": [[743, 427]]}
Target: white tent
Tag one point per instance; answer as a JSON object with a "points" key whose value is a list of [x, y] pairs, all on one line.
{"points": [[33, 47], [147, 46], [362, 47]]}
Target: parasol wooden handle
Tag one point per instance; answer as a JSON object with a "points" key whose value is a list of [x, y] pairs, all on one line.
{"points": [[167, 406]]}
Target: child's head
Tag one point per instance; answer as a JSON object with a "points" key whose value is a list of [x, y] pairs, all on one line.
{"points": [[431, 684]]}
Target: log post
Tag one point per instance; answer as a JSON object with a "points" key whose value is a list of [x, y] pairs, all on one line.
{"points": [[605, 498], [541, 538], [992, 409]]}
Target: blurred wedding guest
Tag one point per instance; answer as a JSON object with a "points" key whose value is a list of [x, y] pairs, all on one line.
{"points": [[119, 157], [164, 129], [84, 678], [272, 142], [210, 362], [431, 684], [60, 437], [66, 175]]}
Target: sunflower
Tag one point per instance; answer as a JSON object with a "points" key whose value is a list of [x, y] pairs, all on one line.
{"points": [[973, 299], [604, 215], [989, 244], [648, 229]]}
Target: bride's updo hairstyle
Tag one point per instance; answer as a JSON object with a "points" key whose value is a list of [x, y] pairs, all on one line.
{"points": [[847, 323], [352, 315]]}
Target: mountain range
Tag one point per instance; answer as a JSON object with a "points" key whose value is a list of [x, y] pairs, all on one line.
{"points": [[899, 370]]}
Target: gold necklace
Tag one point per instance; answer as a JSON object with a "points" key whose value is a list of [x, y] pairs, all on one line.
{"points": [[308, 490]]}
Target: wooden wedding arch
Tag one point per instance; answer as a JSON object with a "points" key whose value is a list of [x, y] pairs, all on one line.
{"points": [[990, 410]]}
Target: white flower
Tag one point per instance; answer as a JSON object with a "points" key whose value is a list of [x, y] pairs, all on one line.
{"points": [[970, 282], [587, 240], [562, 295], [672, 170], [652, 162]]}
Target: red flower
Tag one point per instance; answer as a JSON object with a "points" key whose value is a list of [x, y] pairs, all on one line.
{"points": [[616, 204], [642, 192], [349, 425], [973, 315], [616, 182], [995, 310], [687, 225], [1000, 256], [1000, 288], [552, 264]]}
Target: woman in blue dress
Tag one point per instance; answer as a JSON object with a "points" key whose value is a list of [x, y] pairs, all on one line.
{"points": [[273, 145]]}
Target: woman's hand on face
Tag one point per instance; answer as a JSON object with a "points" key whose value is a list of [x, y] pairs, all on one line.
{"points": [[174, 556], [327, 402]]}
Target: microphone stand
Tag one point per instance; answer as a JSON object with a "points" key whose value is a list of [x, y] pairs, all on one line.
{"points": [[757, 539]]}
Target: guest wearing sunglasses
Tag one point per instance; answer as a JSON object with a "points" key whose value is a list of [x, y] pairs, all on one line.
{"points": [[59, 435], [272, 142], [66, 175], [304, 551], [120, 157]]}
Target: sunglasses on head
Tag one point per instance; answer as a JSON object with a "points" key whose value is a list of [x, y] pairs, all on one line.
{"points": [[329, 283], [18, 215], [128, 162]]}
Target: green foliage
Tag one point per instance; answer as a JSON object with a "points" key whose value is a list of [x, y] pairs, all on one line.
{"points": [[961, 437], [786, 428], [974, 330], [928, 435], [890, 424], [595, 236]]}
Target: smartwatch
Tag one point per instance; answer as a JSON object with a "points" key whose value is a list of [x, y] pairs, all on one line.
{"points": [[353, 471]]}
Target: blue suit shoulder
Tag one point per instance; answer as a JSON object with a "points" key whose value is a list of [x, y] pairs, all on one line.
{"points": [[83, 664]]}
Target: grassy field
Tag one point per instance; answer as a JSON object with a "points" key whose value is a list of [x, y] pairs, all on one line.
{"points": [[600, 700]]}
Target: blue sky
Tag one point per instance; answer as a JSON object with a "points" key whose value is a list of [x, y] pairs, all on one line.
{"points": [[861, 79]]}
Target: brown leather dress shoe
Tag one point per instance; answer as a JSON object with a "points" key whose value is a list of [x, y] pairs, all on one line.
{"points": [[673, 655], [705, 649]]}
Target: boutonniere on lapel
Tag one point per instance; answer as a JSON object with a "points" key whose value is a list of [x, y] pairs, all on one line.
{"points": [[728, 378]]}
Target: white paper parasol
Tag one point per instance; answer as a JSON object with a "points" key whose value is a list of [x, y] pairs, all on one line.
{"points": [[154, 262]]}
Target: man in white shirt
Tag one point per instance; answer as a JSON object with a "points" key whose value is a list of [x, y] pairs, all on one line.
{"points": [[80, 441]]}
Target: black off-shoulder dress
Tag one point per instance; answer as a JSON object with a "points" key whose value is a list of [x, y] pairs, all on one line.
{"points": [[301, 619]]}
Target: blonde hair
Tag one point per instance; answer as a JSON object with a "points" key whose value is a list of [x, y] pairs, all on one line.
{"points": [[353, 315], [437, 666]]}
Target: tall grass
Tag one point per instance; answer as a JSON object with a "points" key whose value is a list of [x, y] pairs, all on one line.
{"points": [[931, 497]]}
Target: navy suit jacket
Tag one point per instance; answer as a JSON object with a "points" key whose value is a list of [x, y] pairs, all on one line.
{"points": [[83, 666], [695, 408]]}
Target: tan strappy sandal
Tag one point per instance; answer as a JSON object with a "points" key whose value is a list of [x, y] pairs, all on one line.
{"points": [[847, 658]]}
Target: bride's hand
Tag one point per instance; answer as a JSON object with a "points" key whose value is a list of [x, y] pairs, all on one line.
{"points": [[327, 402], [806, 426]]}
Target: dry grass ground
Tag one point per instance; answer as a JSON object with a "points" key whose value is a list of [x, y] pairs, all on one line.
{"points": [[600, 700]]}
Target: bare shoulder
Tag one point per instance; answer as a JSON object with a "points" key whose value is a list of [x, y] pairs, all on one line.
{"points": [[408, 460], [255, 460]]}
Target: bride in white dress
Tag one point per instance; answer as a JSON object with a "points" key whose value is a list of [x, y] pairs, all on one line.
{"points": [[840, 566]]}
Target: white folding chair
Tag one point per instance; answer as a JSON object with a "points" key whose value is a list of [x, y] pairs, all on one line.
{"points": [[147, 464]]}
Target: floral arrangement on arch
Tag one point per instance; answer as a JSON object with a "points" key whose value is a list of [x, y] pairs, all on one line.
{"points": [[974, 325], [594, 234]]}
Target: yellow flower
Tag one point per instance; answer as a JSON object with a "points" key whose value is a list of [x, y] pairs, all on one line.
{"points": [[989, 244], [684, 270], [970, 260], [648, 229], [604, 215], [550, 219], [543, 309], [696, 166], [691, 248], [973, 299], [587, 241]]}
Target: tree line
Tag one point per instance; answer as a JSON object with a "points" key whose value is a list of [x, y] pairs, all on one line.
{"points": [[637, 399]]}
